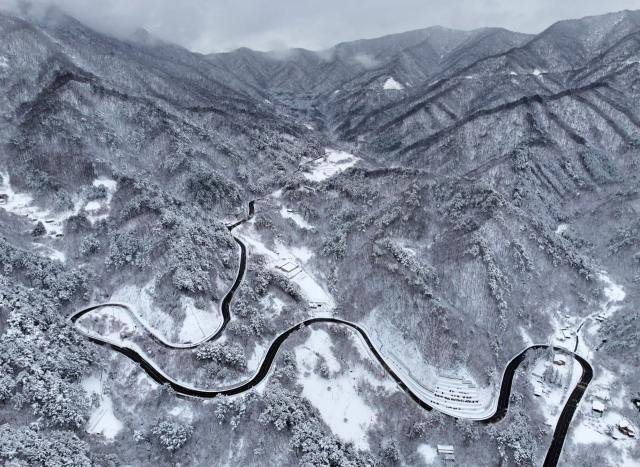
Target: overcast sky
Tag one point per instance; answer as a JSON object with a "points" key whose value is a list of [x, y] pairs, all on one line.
{"points": [[222, 25]]}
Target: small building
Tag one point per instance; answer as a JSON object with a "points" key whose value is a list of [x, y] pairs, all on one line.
{"points": [[560, 359], [288, 267], [597, 408], [625, 428], [445, 449], [4, 198], [537, 389]]}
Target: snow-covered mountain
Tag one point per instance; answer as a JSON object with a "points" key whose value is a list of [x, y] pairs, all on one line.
{"points": [[457, 195]]}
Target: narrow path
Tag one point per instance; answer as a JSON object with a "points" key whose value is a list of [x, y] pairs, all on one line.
{"points": [[502, 406]]}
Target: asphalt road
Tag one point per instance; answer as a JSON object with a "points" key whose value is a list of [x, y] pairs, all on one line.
{"points": [[560, 432]]}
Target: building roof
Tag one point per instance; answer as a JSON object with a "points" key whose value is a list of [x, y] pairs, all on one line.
{"points": [[445, 448], [598, 406], [288, 267], [559, 358]]}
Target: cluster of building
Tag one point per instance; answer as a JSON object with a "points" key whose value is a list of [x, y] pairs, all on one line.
{"points": [[621, 429]]}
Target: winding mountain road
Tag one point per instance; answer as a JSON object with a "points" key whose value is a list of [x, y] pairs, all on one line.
{"points": [[161, 377]]}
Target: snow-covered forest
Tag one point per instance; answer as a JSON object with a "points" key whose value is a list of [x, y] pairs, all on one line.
{"points": [[472, 194]]}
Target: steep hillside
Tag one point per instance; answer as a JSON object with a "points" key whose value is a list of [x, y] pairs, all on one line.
{"points": [[460, 195]]}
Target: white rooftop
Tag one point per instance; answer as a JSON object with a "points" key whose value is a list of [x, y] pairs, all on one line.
{"points": [[288, 267], [598, 406]]}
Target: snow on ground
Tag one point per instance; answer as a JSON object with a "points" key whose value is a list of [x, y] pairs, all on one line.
{"points": [[256, 357], [392, 84], [99, 209], [409, 251], [614, 294], [388, 339], [49, 252], [298, 219], [20, 204], [590, 431], [331, 164], [594, 429], [258, 247], [337, 399], [311, 289], [92, 206], [309, 286], [537, 72], [153, 319], [525, 337], [185, 414], [428, 453], [564, 326], [561, 228], [320, 343], [554, 396], [302, 253], [116, 319], [198, 323], [102, 419], [272, 303], [386, 382], [308, 127], [613, 291], [4, 63]]}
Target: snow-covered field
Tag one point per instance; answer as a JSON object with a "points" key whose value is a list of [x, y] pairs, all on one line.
{"points": [[428, 453], [99, 209], [21, 205], [117, 320], [337, 398], [102, 419], [297, 218], [392, 84], [334, 162], [198, 323], [153, 319], [256, 357]]}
